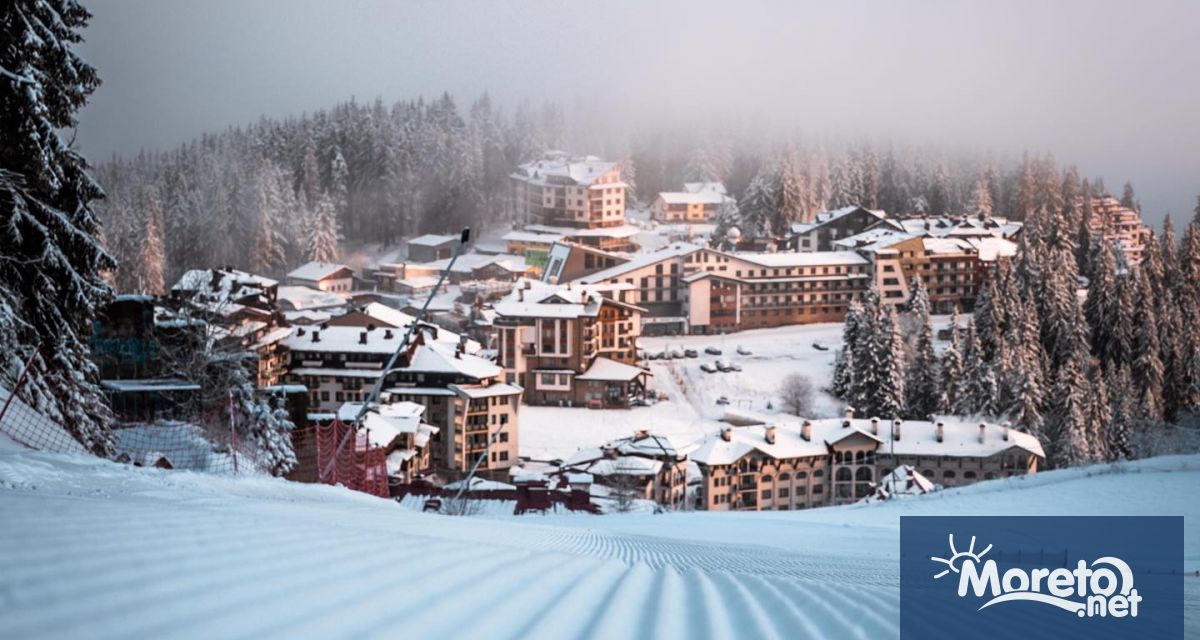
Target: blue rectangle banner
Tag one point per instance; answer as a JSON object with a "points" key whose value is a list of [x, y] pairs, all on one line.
{"points": [[1000, 577]]}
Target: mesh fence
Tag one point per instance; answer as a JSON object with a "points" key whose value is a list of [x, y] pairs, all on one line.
{"points": [[331, 453]]}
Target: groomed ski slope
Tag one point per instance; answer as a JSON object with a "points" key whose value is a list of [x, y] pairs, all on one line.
{"points": [[99, 550]]}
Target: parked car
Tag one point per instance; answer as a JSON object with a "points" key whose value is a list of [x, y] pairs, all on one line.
{"points": [[721, 365], [691, 353], [722, 400], [708, 368], [820, 347], [733, 366], [712, 351], [676, 354], [743, 351]]}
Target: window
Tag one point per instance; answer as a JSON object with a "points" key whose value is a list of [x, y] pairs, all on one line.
{"points": [[766, 494]]}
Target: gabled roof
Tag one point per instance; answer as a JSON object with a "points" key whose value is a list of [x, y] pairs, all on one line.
{"points": [[607, 370], [433, 240], [314, 271]]}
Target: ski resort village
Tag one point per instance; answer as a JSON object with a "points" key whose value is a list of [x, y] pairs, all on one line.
{"points": [[457, 365]]}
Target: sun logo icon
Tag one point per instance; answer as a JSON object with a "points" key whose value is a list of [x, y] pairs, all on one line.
{"points": [[957, 558]]}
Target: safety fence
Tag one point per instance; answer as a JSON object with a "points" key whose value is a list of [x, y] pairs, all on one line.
{"points": [[332, 453]]}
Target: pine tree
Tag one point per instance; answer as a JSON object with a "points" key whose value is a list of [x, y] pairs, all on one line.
{"points": [[1147, 358], [789, 196], [889, 347], [1123, 416], [842, 386], [981, 200], [270, 242], [1026, 382], [979, 388], [866, 372], [1099, 416], [951, 369], [1069, 430], [151, 263], [321, 243], [758, 208], [1101, 304], [1128, 200], [921, 384], [50, 259], [726, 221]]}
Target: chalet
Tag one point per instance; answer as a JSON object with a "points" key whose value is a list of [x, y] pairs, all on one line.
{"points": [[648, 464], [570, 345], [323, 276], [575, 192], [399, 428], [688, 207], [431, 247], [796, 464], [829, 226]]}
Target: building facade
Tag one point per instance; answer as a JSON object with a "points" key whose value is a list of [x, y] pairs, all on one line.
{"points": [[558, 190], [570, 345], [766, 466]]}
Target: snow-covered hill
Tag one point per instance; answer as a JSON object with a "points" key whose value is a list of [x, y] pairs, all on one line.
{"points": [[94, 549]]}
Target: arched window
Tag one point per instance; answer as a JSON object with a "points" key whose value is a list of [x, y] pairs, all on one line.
{"points": [[801, 475], [784, 477], [928, 473], [767, 479], [860, 457], [819, 473], [968, 475], [863, 473], [844, 475]]}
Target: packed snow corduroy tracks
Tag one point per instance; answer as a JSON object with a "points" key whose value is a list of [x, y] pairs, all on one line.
{"points": [[97, 549]]}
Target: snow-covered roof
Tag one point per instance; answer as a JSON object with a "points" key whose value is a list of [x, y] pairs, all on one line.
{"points": [[436, 357], [344, 339], [990, 249], [297, 298], [702, 187], [387, 421], [960, 437], [801, 258], [875, 239], [580, 171], [669, 252], [221, 286], [536, 299], [621, 231], [607, 370], [482, 484], [684, 197], [531, 236], [499, 389], [825, 217], [946, 246], [149, 385], [433, 240], [315, 271]]}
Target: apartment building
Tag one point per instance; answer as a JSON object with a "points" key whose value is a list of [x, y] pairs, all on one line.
{"points": [[1120, 226], [734, 291], [400, 430], [570, 345], [798, 464], [464, 394], [645, 465], [559, 190], [654, 282]]}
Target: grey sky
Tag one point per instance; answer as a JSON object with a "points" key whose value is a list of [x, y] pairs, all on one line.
{"points": [[1110, 86]]}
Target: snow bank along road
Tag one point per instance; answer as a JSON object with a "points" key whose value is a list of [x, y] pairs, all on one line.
{"points": [[94, 549]]}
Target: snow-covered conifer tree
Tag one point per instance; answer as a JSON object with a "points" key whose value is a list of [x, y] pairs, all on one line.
{"points": [[728, 217], [758, 207], [951, 369], [321, 244], [1123, 397], [50, 259], [889, 395], [921, 385], [1148, 373], [151, 263]]}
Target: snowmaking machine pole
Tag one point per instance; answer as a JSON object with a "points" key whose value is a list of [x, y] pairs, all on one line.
{"points": [[464, 238]]}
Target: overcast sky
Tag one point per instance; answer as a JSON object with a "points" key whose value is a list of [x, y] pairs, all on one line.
{"points": [[1111, 86]]}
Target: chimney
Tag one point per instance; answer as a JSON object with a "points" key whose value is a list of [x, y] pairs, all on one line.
{"points": [[982, 431], [316, 336], [940, 431], [520, 295], [640, 434], [371, 326], [387, 334], [874, 426], [896, 430], [771, 434], [299, 332], [806, 431], [727, 434], [849, 412], [1007, 426]]}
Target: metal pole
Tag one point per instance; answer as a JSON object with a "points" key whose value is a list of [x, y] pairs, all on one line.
{"points": [[464, 238], [232, 433], [20, 380]]}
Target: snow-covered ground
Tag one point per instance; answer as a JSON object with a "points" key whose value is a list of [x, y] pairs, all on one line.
{"points": [[96, 549], [690, 410]]}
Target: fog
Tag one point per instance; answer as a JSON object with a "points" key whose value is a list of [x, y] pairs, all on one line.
{"points": [[1109, 86]]}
